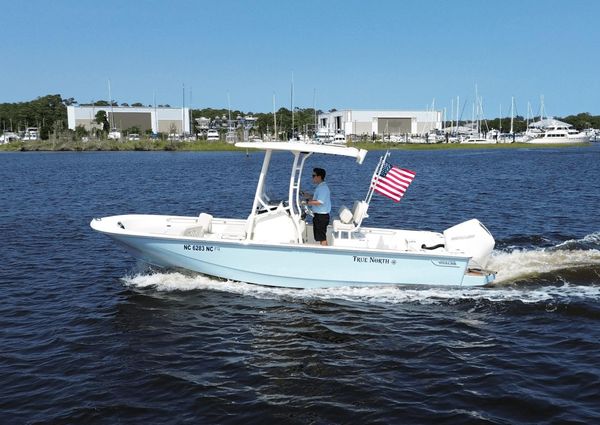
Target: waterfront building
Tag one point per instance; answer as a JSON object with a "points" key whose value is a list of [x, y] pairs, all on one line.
{"points": [[389, 122], [158, 120]]}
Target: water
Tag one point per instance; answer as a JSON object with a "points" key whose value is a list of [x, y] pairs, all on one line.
{"points": [[87, 335]]}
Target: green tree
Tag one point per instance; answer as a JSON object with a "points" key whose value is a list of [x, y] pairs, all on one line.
{"points": [[80, 132], [102, 118]]}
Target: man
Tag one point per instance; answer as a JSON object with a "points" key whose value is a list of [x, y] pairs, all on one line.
{"points": [[321, 206]]}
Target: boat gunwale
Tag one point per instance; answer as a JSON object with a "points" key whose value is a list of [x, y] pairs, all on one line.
{"points": [[258, 244]]}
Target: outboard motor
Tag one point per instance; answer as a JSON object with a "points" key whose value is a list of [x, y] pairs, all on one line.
{"points": [[472, 239]]}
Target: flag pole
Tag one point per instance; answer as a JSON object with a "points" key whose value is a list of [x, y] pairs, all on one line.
{"points": [[382, 160]]}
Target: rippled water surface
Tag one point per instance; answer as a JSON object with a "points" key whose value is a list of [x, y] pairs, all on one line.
{"points": [[87, 335]]}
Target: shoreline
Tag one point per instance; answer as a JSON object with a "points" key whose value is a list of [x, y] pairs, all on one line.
{"points": [[203, 146]]}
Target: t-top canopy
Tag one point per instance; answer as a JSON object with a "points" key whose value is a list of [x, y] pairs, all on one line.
{"points": [[549, 123], [359, 154]]}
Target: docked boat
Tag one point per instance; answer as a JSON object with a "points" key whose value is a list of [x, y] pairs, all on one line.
{"points": [[274, 244], [555, 131], [477, 140], [114, 134], [212, 135]]}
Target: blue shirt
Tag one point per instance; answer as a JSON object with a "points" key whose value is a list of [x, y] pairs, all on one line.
{"points": [[322, 195]]}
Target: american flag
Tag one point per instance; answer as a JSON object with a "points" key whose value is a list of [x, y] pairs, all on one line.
{"points": [[392, 181]]}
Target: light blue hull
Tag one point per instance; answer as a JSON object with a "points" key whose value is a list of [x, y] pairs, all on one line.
{"points": [[302, 266]]}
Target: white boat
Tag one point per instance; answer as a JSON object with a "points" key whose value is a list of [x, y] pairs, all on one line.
{"points": [[30, 134], [339, 139], [476, 140], [324, 135], [9, 136], [212, 135], [274, 245], [114, 134], [555, 131]]}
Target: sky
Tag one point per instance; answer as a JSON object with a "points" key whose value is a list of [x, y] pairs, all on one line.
{"points": [[406, 55]]}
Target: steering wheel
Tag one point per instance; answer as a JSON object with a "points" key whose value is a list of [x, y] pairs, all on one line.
{"points": [[306, 211]]}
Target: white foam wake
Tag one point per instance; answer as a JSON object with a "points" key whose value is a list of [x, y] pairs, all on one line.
{"points": [[377, 294], [524, 264]]}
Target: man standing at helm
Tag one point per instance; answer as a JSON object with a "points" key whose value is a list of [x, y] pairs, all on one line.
{"points": [[321, 206]]}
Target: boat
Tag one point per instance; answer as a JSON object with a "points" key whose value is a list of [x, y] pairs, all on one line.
{"points": [[212, 135], [554, 131], [477, 140], [114, 134], [274, 244], [339, 139], [9, 136], [324, 135], [30, 134]]}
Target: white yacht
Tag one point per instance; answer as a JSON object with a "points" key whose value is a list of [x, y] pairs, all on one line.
{"points": [[554, 131], [30, 134], [212, 135], [324, 135], [274, 245], [339, 139]]}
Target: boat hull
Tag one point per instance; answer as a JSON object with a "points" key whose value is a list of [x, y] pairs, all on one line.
{"points": [[299, 266], [559, 140]]}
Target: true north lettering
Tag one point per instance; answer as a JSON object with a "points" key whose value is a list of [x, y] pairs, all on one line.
{"points": [[371, 260]]}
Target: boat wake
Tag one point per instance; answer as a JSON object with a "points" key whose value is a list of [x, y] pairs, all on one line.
{"points": [[166, 282], [545, 266]]}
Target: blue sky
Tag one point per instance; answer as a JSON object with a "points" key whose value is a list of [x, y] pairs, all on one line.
{"points": [[352, 54]]}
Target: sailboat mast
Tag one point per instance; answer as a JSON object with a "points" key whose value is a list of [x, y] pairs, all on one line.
{"points": [[155, 116], [315, 109], [476, 113], [292, 103], [274, 119], [457, 103], [512, 114], [112, 111], [500, 120]]}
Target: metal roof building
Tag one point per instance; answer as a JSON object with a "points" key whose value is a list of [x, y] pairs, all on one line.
{"points": [[360, 122], [159, 120]]}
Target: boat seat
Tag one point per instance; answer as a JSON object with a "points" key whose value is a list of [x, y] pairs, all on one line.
{"points": [[203, 226], [347, 223], [345, 215]]}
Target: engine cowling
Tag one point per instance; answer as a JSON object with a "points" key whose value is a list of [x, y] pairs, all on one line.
{"points": [[471, 238]]}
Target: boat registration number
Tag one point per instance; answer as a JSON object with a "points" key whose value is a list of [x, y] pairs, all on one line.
{"points": [[200, 248]]}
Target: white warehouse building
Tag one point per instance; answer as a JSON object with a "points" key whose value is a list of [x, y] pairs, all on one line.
{"points": [[359, 122], [159, 120]]}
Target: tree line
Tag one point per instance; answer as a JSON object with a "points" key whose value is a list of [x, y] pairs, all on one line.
{"points": [[49, 114]]}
